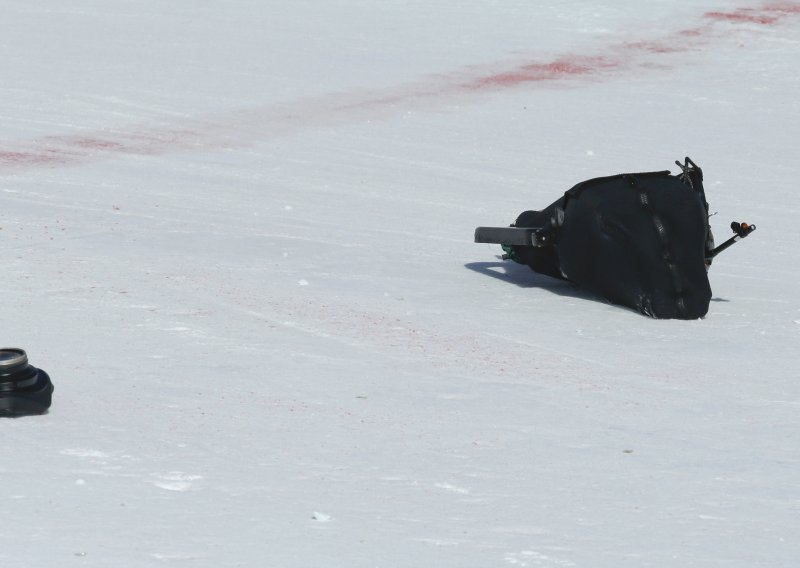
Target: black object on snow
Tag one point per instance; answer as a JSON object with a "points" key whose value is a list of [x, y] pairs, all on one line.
{"points": [[642, 240], [24, 389]]}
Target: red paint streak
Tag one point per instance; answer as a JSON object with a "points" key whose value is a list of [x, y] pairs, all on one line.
{"points": [[743, 15], [693, 32], [785, 8], [98, 144], [765, 15], [238, 129], [655, 46], [563, 68], [31, 158]]}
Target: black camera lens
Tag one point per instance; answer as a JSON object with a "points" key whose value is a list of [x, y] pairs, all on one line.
{"points": [[24, 389], [11, 356]]}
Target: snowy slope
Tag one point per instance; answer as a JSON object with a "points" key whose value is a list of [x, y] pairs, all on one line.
{"points": [[238, 238]]}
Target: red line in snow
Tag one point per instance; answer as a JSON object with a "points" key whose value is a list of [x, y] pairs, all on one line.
{"points": [[237, 129], [765, 15]]}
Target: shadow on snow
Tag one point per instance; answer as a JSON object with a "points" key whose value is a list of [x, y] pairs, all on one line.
{"points": [[522, 276]]}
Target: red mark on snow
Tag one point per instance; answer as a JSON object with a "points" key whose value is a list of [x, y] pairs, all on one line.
{"points": [[98, 144], [241, 128], [765, 15], [743, 15], [657, 46], [692, 32], [31, 158], [563, 68]]}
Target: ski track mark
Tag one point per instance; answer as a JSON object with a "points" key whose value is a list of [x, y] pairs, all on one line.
{"points": [[409, 341], [453, 488], [535, 558], [241, 128], [175, 480]]}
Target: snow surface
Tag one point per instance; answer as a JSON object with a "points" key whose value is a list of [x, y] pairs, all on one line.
{"points": [[239, 238]]}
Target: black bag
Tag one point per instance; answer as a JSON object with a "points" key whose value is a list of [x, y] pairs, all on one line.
{"points": [[642, 240]]}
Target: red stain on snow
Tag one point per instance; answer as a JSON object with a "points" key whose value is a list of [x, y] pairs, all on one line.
{"points": [[92, 143], [743, 15], [786, 8], [31, 158], [766, 15], [693, 32], [563, 68], [244, 127], [654, 46]]}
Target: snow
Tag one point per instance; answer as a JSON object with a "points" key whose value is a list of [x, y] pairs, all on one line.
{"points": [[238, 236]]}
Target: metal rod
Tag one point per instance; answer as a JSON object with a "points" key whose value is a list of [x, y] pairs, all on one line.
{"points": [[741, 229]]}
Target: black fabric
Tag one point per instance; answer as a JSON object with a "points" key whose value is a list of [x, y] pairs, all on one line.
{"points": [[637, 239]]}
